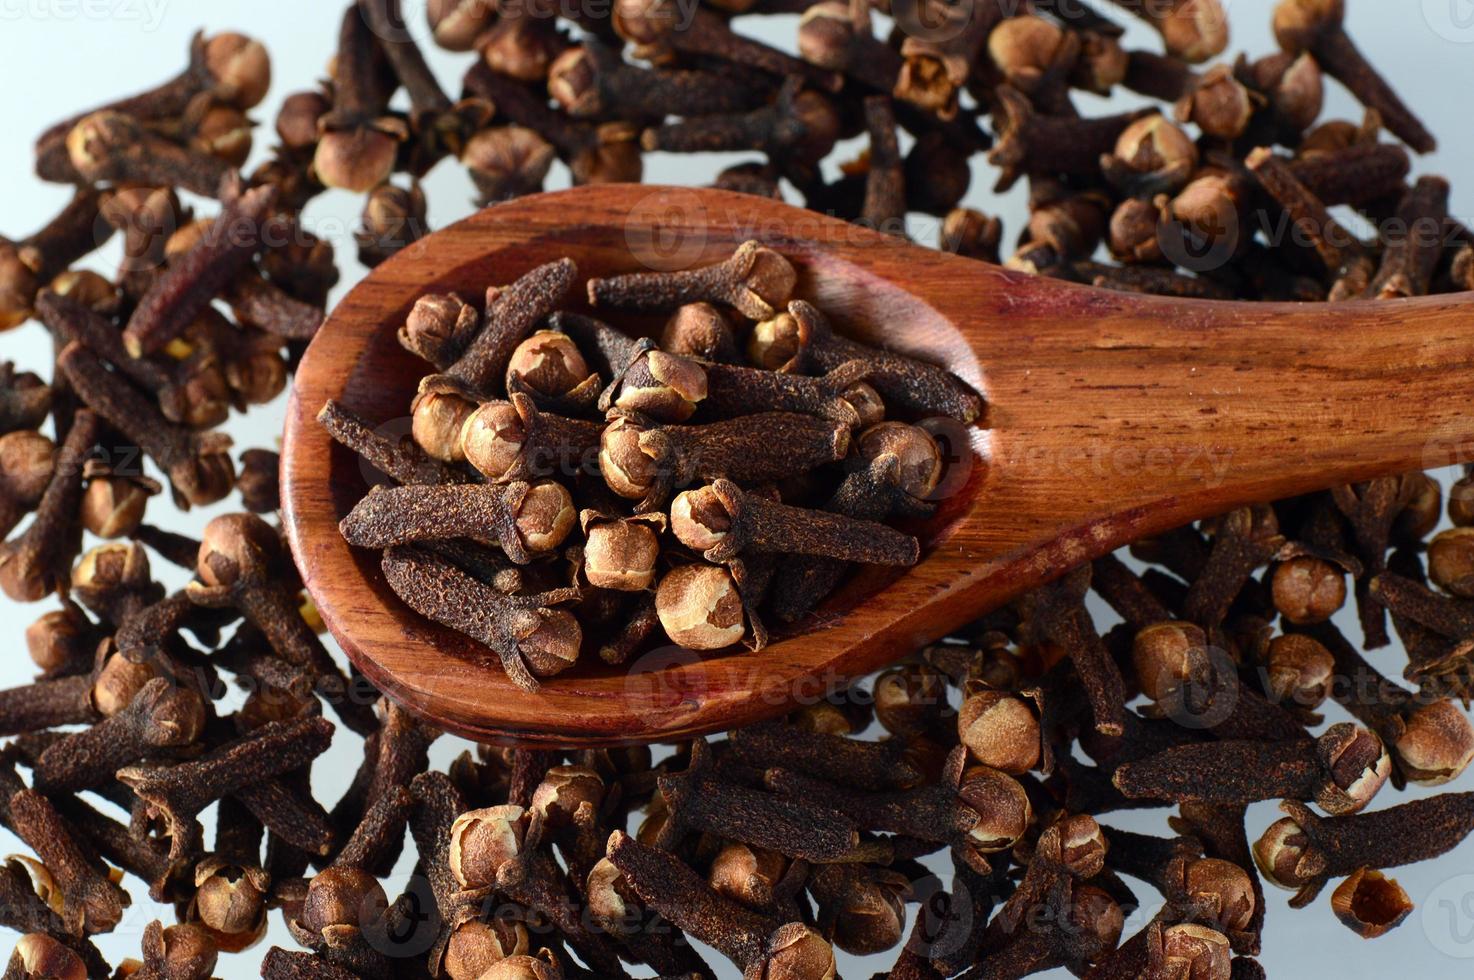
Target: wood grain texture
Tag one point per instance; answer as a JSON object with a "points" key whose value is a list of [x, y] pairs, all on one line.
{"points": [[1111, 416]]}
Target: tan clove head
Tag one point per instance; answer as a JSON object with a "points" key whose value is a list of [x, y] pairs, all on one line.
{"points": [[1300, 671], [546, 516], [1225, 889], [700, 519], [627, 467], [919, 458], [554, 645], [242, 67], [236, 546], [39, 957], [491, 440], [1357, 765], [621, 554], [485, 843], [1193, 952], [1436, 744], [1307, 589], [1000, 730], [357, 159], [549, 363], [568, 795], [700, 607], [1284, 856], [666, 387], [797, 952], [763, 279], [27, 461], [746, 874], [342, 898], [1000, 807], [1370, 904], [475, 947]]}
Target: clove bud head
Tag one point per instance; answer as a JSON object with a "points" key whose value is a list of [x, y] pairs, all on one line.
{"points": [[666, 387], [549, 363], [1299, 670], [1225, 889], [456, 24], [342, 898], [230, 900], [1436, 744], [507, 161], [436, 421], [205, 478], [487, 843], [298, 118], [1076, 843], [475, 947], [1358, 766], [1000, 730], [916, 453], [776, 342], [700, 607], [1451, 561], [611, 901], [113, 506], [1285, 857], [27, 461], [1300, 24], [241, 67], [1167, 655], [546, 516], [764, 279], [356, 159], [627, 468], [871, 916], [1001, 813], [568, 795], [118, 683], [39, 957], [1370, 904], [797, 952], [700, 330], [540, 967], [621, 554], [235, 547], [438, 327], [746, 874], [553, 646], [18, 287], [491, 440], [58, 639], [1308, 590], [1192, 952], [700, 519]]}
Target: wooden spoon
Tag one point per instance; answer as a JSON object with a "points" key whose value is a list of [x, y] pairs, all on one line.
{"points": [[1110, 416]]}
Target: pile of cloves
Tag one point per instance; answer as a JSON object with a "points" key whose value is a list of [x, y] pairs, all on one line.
{"points": [[963, 812], [568, 484]]}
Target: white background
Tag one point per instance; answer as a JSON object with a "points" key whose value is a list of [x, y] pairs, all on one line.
{"points": [[60, 56]]}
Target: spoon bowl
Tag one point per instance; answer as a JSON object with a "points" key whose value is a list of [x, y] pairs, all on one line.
{"points": [[1111, 416]]}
